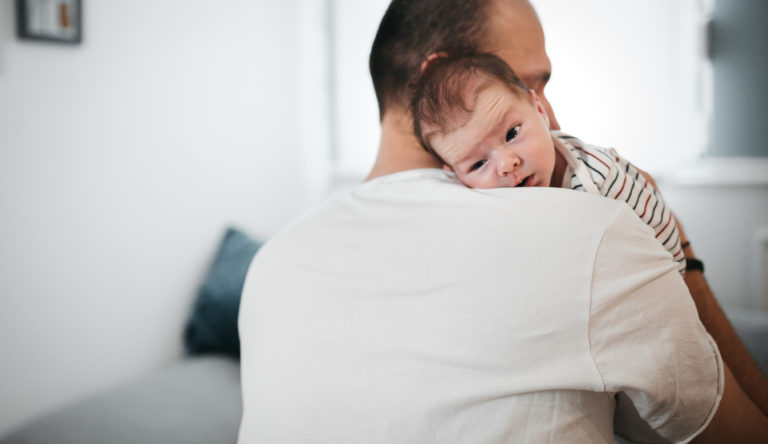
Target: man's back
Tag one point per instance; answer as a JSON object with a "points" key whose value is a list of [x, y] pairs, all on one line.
{"points": [[413, 309]]}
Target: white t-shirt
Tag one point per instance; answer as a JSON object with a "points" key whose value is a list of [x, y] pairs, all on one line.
{"points": [[411, 309]]}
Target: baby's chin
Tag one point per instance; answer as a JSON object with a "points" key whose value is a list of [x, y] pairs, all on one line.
{"points": [[527, 182]]}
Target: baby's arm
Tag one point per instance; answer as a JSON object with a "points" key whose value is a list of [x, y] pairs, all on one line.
{"points": [[624, 182]]}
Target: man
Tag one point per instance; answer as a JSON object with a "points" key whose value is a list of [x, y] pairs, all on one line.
{"points": [[512, 31], [413, 309]]}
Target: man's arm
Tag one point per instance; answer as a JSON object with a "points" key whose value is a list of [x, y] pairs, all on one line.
{"points": [[736, 356], [736, 420]]}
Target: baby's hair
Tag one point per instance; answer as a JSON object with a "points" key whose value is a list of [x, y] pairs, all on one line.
{"points": [[448, 88]]}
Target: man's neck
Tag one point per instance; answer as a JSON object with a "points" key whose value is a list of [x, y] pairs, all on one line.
{"points": [[399, 150]]}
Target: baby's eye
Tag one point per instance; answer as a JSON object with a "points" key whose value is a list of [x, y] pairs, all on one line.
{"points": [[477, 165], [512, 133]]}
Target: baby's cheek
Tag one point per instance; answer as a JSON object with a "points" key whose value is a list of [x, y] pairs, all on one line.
{"points": [[479, 182], [468, 181]]}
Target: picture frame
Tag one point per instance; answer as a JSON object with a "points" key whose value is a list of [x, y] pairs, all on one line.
{"points": [[58, 21]]}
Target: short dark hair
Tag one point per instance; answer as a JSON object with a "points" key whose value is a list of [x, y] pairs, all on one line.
{"points": [[410, 31], [440, 95]]}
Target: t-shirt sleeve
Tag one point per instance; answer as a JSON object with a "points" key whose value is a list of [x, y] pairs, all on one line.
{"points": [[647, 342]]}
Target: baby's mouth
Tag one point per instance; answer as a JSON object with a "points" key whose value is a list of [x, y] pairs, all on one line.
{"points": [[525, 182]]}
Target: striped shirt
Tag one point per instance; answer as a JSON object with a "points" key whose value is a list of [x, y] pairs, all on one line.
{"points": [[602, 171]]}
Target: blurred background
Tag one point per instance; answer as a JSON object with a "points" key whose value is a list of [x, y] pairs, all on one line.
{"points": [[124, 158]]}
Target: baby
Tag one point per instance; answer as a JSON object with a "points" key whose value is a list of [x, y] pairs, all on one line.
{"points": [[476, 116]]}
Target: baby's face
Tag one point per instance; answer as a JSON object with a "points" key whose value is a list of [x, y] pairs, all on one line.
{"points": [[505, 142]]}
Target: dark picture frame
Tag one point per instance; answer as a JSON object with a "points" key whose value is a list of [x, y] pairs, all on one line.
{"points": [[58, 21]]}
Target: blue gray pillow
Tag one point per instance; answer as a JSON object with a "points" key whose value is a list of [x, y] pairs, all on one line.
{"points": [[212, 327]]}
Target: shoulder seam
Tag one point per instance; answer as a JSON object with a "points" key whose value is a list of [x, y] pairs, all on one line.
{"points": [[591, 286]]}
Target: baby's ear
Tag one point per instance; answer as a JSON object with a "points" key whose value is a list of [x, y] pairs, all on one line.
{"points": [[433, 56], [447, 168]]}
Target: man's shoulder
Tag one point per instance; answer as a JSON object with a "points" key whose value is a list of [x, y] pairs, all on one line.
{"points": [[411, 199]]}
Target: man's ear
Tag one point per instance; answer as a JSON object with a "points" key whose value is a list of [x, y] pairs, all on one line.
{"points": [[433, 56], [539, 106]]}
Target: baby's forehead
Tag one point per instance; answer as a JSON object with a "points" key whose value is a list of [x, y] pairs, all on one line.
{"points": [[479, 88], [487, 100], [487, 105]]}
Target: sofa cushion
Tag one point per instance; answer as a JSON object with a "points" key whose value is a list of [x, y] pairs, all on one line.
{"points": [[212, 327]]}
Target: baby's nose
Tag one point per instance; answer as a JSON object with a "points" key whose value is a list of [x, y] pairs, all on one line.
{"points": [[508, 162]]}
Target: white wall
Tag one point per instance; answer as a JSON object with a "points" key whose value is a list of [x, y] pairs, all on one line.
{"points": [[723, 223], [723, 206], [630, 75], [357, 114], [121, 162]]}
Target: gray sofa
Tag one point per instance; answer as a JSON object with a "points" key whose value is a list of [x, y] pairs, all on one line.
{"points": [[197, 400], [194, 401]]}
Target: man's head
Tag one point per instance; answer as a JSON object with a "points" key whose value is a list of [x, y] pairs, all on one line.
{"points": [[412, 30], [409, 32], [483, 123]]}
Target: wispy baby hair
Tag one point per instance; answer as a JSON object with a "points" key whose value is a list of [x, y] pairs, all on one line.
{"points": [[443, 96]]}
